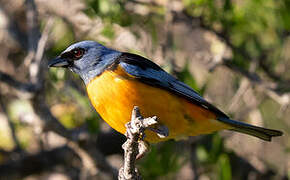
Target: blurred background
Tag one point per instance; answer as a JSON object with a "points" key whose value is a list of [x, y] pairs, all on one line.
{"points": [[236, 53]]}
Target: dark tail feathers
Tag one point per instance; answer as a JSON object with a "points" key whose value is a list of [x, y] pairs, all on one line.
{"points": [[259, 132]]}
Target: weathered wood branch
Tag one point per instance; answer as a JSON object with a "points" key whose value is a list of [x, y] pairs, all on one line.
{"points": [[135, 147]]}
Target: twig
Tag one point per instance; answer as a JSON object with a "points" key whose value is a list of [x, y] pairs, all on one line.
{"points": [[88, 168], [135, 146], [17, 168], [51, 123], [11, 125], [35, 63], [168, 44], [80, 136], [277, 89], [13, 27], [244, 85], [24, 87], [34, 67], [100, 160], [32, 23]]}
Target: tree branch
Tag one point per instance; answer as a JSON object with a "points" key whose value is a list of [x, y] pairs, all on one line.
{"points": [[24, 87], [135, 147], [11, 125], [36, 163]]}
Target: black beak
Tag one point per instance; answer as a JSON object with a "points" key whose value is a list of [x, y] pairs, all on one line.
{"points": [[58, 62]]}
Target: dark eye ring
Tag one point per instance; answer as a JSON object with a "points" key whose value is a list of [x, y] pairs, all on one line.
{"points": [[78, 53]]}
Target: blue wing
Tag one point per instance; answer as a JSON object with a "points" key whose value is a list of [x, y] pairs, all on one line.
{"points": [[150, 73]]}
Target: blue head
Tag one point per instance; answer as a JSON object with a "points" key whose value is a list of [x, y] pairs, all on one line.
{"points": [[86, 58]]}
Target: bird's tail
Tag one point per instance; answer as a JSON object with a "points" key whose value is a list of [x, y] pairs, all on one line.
{"points": [[259, 132]]}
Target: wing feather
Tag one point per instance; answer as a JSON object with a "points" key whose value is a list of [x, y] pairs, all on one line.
{"points": [[150, 73]]}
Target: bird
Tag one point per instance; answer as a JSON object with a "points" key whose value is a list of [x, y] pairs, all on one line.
{"points": [[117, 81]]}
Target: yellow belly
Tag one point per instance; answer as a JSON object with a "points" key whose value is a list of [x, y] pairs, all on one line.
{"points": [[115, 93]]}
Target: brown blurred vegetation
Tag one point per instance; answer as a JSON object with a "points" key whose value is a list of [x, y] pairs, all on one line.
{"points": [[235, 53]]}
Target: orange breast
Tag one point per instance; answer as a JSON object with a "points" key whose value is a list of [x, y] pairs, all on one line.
{"points": [[115, 93]]}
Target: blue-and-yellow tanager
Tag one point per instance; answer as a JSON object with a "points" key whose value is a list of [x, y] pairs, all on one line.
{"points": [[118, 81]]}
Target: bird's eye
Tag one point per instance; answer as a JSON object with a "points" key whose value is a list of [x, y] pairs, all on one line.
{"points": [[77, 53]]}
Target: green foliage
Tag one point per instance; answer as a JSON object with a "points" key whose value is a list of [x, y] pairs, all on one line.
{"points": [[252, 29], [224, 167], [112, 11], [284, 14], [63, 36], [215, 157], [185, 76], [162, 161], [251, 26], [16, 110], [269, 110], [93, 124], [211, 152], [108, 31]]}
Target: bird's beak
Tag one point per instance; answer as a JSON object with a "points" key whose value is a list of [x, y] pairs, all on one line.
{"points": [[58, 62]]}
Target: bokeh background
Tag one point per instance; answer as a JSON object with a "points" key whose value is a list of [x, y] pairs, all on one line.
{"points": [[236, 53]]}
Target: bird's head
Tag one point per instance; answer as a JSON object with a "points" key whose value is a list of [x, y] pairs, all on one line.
{"points": [[86, 58]]}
